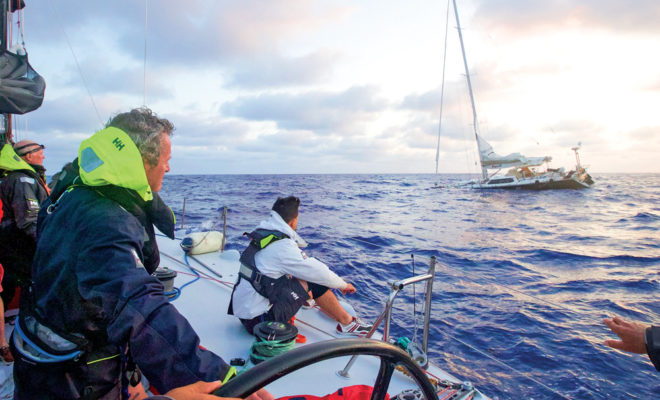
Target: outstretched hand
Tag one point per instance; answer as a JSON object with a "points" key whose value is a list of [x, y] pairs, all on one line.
{"points": [[630, 333], [349, 289]]}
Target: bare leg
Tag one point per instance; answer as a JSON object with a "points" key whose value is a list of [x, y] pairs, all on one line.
{"points": [[3, 340], [330, 305]]}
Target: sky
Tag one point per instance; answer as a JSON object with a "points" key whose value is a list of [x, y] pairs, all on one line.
{"points": [[339, 86]]}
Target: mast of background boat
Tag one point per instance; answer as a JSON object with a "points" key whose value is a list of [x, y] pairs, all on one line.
{"points": [[442, 95], [5, 128], [578, 167], [484, 171]]}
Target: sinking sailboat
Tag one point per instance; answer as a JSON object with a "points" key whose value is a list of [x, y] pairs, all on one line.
{"points": [[515, 171]]}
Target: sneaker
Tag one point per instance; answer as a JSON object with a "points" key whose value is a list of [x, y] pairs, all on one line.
{"points": [[6, 356], [355, 328], [309, 304]]}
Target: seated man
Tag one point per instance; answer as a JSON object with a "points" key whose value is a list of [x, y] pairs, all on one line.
{"points": [[277, 278]]}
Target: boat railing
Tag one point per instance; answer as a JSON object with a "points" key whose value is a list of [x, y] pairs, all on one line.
{"points": [[386, 315]]}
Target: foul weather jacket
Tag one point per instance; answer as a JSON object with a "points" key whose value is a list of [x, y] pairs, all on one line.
{"points": [[92, 279], [22, 192], [89, 279]]}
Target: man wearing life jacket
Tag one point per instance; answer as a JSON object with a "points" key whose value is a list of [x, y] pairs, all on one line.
{"points": [[22, 191], [94, 312], [276, 278]]}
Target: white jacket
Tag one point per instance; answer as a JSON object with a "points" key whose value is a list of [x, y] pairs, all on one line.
{"points": [[282, 257]]}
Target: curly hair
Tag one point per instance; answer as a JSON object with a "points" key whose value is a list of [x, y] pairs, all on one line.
{"points": [[145, 128]]}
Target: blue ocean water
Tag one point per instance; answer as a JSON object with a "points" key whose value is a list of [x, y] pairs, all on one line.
{"points": [[523, 281]]}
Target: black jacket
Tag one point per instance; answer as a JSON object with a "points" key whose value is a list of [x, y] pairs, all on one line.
{"points": [[22, 192], [652, 340], [90, 278]]}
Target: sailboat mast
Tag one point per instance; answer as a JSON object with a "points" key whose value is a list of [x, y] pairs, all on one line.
{"points": [[5, 119], [484, 172]]}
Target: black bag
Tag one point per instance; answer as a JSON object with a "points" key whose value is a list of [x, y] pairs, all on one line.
{"points": [[21, 87]]}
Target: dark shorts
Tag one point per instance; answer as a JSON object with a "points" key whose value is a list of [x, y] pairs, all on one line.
{"points": [[286, 303]]}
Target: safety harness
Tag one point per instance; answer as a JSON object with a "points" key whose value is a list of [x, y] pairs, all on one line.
{"points": [[262, 284]]}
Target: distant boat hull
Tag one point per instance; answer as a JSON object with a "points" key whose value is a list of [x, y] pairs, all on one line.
{"points": [[545, 181]]}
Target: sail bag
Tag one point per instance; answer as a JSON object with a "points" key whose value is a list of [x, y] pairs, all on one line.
{"points": [[21, 87]]}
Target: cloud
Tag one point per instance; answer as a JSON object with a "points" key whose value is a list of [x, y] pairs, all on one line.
{"points": [[646, 134], [273, 70], [541, 15], [199, 33], [428, 101], [340, 113]]}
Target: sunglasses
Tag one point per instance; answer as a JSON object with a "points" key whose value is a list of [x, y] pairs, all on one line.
{"points": [[37, 148]]}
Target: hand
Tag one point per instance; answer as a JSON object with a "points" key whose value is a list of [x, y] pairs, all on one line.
{"points": [[201, 391], [260, 394], [197, 391], [349, 289], [631, 334], [137, 392]]}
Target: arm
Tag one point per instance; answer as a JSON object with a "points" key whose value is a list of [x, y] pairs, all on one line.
{"points": [[294, 262], [161, 340], [25, 204]]}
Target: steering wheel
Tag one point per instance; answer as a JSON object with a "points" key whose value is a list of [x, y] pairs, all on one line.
{"points": [[270, 370]]}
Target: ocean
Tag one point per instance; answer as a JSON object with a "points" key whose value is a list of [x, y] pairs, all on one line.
{"points": [[523, 278]]}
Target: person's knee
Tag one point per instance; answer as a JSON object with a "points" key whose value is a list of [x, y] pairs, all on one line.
{"points": [[304, 284]]}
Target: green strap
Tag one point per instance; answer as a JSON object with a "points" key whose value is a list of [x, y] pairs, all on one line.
{"points": [[230, 374], [103, 359]]}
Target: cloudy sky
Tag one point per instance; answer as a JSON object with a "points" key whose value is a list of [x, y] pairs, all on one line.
{"points": [[339, 86]]}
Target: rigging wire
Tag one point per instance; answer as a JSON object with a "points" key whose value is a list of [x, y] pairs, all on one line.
{"points": [[75, 59], [144, 74], [442, 91], [490, 282], [523, 374]]}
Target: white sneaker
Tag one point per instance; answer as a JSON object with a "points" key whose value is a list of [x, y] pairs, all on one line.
{"points": [[309, 304], [354, 328]]}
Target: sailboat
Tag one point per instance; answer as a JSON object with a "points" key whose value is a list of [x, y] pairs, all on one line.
{"points": [[318, 365], [514, 171]]}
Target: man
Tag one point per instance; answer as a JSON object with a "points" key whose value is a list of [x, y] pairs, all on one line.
{"points": [[22, 191], [636, 337], [277, 278], [94, 309]]}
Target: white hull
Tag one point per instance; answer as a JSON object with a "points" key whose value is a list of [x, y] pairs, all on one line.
{"points": [[543, 181]]}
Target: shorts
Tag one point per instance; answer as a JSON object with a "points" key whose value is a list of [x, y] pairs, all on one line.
{"points": [[286, 303]]}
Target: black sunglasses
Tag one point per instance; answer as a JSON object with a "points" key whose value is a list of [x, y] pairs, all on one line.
{"points": [[39, 147]]}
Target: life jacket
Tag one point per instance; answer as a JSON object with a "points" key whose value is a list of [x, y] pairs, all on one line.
{"points": [[262, 284]]}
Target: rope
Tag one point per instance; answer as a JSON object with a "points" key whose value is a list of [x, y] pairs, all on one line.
{"points": [[264, 349], [176, 292]]}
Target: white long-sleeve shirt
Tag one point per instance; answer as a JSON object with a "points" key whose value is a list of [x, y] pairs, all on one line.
{"points": [[282, 257]]}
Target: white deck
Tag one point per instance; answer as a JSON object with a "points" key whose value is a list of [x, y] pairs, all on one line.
{"points": [[204, 303]]}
